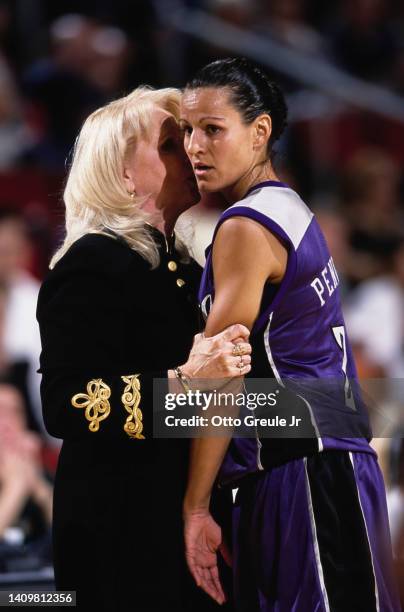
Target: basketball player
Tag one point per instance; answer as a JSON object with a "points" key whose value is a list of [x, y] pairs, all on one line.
{"points": [[310, 523]]}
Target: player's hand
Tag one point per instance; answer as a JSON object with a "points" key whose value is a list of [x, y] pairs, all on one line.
{"points": [[203, 538]]}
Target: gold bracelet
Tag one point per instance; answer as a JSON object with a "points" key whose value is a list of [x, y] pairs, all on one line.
{"points": [[183, 380]]}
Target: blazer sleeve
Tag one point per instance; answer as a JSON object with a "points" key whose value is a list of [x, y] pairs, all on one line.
{"points": [[90, 387], [97, 402]]}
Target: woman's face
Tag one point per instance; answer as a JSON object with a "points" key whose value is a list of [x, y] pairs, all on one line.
{"points": [[159, 168], [221, 147]]}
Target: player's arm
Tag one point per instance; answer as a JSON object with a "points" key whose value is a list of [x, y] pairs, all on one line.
{"points": [[245, 257]]}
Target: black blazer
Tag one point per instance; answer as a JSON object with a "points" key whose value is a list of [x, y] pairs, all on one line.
{"points": [[117, 532], [104, 314]]}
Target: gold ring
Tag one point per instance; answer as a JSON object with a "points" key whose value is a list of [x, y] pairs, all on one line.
{"points": [[238, 350]]}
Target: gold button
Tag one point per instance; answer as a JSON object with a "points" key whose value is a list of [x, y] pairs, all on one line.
{"points": [[180, 282], [172, 266]]}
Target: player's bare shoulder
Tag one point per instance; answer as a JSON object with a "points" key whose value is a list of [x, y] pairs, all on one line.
{"points": [[245, 242]]}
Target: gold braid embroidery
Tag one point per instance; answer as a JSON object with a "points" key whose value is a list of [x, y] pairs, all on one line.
{"points": [[131, 400], [95, 402]]}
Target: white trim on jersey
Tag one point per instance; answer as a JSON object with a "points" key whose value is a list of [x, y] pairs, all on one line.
{"points": [[280, 382], [259, 446], [367, 535], [278, 378], [313, 422], [315, 540], [283, 206], [269, 352]]}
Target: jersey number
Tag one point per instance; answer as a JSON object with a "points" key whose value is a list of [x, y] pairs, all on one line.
{"points": [[339, 335]]}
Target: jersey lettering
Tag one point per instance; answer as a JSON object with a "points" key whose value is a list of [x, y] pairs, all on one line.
{"points": [[327, 284]]}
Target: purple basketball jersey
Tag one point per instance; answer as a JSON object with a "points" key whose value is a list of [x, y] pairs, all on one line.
{"points": [[299, 336]]}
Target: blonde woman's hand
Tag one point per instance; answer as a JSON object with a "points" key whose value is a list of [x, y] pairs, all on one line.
{"points": [[214, 357]]}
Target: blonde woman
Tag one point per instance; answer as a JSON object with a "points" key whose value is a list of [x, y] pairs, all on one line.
{"points": [[117, 310]]}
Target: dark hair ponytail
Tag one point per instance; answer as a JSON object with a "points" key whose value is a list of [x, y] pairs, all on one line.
{"points": [[251, 91]]}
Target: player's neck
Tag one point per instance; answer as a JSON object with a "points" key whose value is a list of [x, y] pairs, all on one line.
{"points": [[259, 174]]}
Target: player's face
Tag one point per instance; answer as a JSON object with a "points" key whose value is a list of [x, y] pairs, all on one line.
{"points": [[160, 169], [219, 144]]}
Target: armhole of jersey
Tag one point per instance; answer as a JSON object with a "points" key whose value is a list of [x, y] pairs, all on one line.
{"points": [[207, 270], [274, 228]]}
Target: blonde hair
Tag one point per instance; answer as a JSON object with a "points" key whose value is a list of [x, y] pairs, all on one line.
{"points": [[95, 196]]}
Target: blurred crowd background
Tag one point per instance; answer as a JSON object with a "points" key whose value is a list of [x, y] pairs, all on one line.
{"points": [[341, 64]]}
